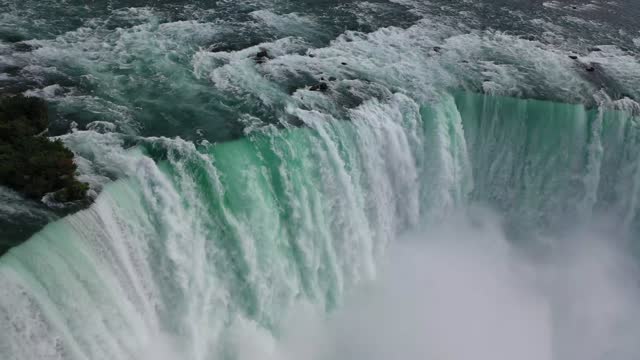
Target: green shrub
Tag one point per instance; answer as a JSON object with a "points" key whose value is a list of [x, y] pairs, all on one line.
{"points": [[32, 164]]}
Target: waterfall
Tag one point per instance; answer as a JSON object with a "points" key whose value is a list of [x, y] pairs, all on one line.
{"points": [[197, 240]]}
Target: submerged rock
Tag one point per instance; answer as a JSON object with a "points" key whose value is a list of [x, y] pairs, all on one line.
{"points": [[322, 87], [217, 48], [233, 46], [590, 68], [30, 163], [23, 47], [573, 57], [262, 56]]}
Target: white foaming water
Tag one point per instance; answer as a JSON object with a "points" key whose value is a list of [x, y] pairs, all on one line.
{"points": [[13, 205], [460, 290], [289, 24]]}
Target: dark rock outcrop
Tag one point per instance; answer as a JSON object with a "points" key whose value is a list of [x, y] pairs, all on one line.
{"points": [[32, 164], [23, 47], [262, 56], [234, 45], [322, 87]]}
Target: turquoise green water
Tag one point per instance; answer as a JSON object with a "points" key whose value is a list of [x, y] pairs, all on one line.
{"points": [[182, 251]]}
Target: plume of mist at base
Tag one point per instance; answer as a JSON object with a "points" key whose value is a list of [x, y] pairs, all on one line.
{"points": [[461, 290]]}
